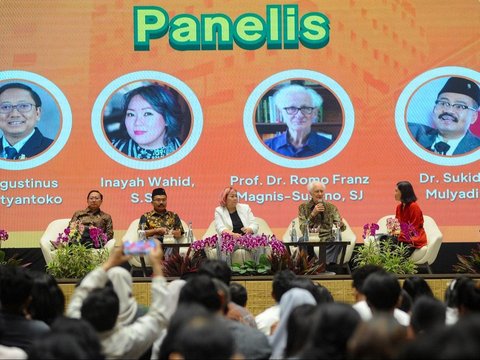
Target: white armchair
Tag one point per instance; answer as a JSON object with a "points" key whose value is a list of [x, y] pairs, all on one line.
{"points": [[51, 233], [426, 255], [347, 235]]}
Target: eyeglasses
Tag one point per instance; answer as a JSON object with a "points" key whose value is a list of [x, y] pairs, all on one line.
{"points": [[7, 108], [456, 107], [293, 110]]}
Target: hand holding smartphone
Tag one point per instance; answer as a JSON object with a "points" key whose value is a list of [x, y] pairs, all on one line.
{"points": [[142, 247]]}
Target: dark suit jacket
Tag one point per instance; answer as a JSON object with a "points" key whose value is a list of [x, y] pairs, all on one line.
{"points": [[35, 145], [426, 136]]}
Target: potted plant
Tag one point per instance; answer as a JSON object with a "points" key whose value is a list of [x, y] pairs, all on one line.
{"points": [[79, 250], [469, 263], [383, 252]]}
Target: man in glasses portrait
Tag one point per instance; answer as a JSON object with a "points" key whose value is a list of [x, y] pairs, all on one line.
{"points": [[455, 109], [20, 111], [299, 108]]}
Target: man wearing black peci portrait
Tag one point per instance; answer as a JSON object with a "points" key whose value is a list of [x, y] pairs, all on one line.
{"points": [[455, 109]]}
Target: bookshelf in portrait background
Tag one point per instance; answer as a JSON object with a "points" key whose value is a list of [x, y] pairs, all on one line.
{"points": [[329, 122]]}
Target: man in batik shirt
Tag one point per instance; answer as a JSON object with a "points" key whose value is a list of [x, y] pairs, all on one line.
{"points": [[160, 221]]}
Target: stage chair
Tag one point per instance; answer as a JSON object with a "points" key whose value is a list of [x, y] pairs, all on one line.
{"points": [[132, 235], [425, 256], [347, 235], [51, 233]]}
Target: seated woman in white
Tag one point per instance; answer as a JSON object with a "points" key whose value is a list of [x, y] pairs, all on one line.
{"points": [[234, 219]]}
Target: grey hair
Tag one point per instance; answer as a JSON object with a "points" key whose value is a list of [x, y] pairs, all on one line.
{"points": [[279, 97], [313, 183]]}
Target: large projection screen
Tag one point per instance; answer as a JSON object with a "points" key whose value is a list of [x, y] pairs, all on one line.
{"points": [[378, 66]]}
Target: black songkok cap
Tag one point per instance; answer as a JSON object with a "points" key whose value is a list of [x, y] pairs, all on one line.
{"points": [[462, 86], [158, 191]]}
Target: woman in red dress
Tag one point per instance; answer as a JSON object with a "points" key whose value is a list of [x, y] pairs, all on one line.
{"points": [[410, 217]]}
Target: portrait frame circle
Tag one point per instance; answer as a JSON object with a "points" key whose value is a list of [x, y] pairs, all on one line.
{"points": [[65, 120], [401, 110], [147, 164], [291, 162]]}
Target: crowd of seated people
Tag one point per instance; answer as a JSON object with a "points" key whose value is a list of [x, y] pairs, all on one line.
{"points": [[205, 316]]}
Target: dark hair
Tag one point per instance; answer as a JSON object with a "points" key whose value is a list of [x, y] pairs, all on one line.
{"points": [[33, 94], [282, 283], [81, 330], [205, 337], [405, 302], [200, 289], [100, 308], [15, 287], [299, 329], [451, 293], [428, 314], [417, 286], [469, 296], [406, 191], [361, 273], [162, 101], [333, 326], [319, 292], [382, 291], [238, 293], [58, 346], [92, 191], [180, 317], [48, 300], [216, 269]]}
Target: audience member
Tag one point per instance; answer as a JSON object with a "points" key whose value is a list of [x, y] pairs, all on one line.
{"points": [[281, 283], [468, 297], [238, 294], [381, 337], [129, 310], [48, 301], [16, 285], [417, 286], [333, 326], [299, 328], [405, 302], [289, 301], [100, 306], [359, 276], [428, 314]]}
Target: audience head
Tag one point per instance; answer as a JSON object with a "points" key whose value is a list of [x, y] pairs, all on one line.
{"points": [[382, 291], [333, 326], [361, 273], [381, 337], [468, 297], [299, 329], [48, 300], [238, 293], [216, 269], [427, 315], [16, 287], [405, 301], [100, 308], [416, 286], [201, 289], [282, 283], [58, 346], [319, 292], [205, 337], [122, 285]]}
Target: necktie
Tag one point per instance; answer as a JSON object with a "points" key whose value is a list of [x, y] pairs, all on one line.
{"points": [[11, 152], [441, 147]]}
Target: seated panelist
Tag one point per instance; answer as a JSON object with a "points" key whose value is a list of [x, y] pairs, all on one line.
{"points": [[234, 218]]}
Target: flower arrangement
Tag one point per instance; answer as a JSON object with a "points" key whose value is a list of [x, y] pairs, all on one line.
{"points": [[79, 250], [75, 232], [387, 251], [13, 260]]}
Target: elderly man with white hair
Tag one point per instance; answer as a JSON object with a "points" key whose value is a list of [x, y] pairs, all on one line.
{"points": [[320, 216]]}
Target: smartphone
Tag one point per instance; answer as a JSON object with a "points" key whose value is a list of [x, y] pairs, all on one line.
{"points": [[138, 247]]}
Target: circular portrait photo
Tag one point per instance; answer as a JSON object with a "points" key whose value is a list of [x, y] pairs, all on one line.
{"points": [[147, 121], [35, 120], [438, 119], [299, 115]]}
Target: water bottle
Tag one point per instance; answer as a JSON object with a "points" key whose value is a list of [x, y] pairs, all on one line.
{"points": [[293, 233], [141, 233], [190, 233], [306, 236]]}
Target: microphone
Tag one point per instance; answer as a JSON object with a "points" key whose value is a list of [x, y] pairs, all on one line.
{"points": [[441, 147]]}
